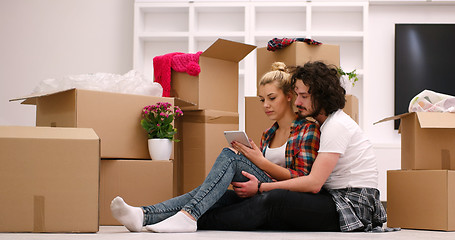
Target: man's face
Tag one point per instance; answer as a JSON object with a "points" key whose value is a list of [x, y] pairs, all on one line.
{"points": [[303, 100]]}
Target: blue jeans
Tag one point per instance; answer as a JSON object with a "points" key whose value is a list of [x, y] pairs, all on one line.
{"points": [[227, 168]]}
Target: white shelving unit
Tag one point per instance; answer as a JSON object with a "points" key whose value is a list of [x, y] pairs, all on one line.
{"points": [[162, 27]]}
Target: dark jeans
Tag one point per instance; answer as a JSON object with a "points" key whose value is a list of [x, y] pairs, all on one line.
{"points": [[274, 210]]}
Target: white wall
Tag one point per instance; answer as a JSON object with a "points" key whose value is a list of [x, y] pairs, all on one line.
{"points": [[379, 87], [43, 39]]}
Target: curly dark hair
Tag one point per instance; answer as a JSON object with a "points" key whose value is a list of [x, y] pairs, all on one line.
{"points": [[324, 85]]}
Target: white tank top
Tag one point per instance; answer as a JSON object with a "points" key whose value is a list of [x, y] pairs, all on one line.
{"points": [[276, 155]]}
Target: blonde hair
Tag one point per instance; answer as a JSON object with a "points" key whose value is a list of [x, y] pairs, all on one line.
{"points": [[279, 75]]}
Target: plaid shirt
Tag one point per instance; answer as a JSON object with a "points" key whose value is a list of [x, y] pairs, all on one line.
{"points": [[359, 208], [301, 148]]}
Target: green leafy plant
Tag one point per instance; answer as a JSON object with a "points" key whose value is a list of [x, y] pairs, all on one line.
{"points": [[352, 76], [157, 119]]}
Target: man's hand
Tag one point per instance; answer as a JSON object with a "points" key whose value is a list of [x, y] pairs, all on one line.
{"points": [[246, 189]]}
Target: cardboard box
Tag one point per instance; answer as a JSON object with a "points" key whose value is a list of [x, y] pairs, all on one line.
{"points": [[352, 107], [298, 53], [202, 142], [216, 87], [49, 179], [427, 140], [256, 121], [115, 117], [138, 182], [421, 199]]}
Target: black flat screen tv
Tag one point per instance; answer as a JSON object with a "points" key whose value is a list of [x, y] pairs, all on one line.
{"points": [[424, 59]]}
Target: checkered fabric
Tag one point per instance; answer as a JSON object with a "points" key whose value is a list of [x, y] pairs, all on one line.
{"points": [[278, 43], [360, 209]]}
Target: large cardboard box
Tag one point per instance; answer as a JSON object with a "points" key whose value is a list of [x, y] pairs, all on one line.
{"points": [[49, 179], [202, 142], [115, 117], [298, 53], [138, 182], [216, 87], [421, 199], [256, 122], [427, 140]]}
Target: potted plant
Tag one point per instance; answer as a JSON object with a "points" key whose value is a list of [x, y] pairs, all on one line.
{"points": [[348, 79], [157, 121]]}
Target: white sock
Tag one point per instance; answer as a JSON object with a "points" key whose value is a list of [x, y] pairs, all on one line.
{"points": [[131, 217], [178, 223]]}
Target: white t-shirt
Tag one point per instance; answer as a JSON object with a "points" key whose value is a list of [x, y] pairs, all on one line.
{"points": [[276, 155], [357, 165]]}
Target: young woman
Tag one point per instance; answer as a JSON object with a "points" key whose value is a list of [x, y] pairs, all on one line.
{"points": [[288, 150]]}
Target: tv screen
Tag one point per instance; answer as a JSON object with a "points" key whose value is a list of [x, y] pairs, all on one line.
{"points": [[424, 59]]}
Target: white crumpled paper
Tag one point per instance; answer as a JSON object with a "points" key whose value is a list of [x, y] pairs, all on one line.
{"points": [[132, 82], [429, 101]]}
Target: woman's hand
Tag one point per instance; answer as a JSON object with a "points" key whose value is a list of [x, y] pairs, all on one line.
{"points": [[253, 154], [246, 189]]}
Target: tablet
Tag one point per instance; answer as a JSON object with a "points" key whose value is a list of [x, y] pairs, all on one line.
{"points": [[239, 136]]}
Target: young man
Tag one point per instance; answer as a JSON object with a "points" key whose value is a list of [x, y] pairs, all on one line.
{"points": [[345, 168]]}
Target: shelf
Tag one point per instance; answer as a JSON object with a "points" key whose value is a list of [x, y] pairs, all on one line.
{"points": [[189, 26]]}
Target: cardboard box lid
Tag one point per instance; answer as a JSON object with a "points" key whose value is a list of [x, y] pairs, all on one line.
{"points": [[31, 98], [427, 119], [47, 133], [228, 50]]}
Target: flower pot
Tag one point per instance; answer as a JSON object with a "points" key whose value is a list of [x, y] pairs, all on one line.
{"points": [[160, 148]]}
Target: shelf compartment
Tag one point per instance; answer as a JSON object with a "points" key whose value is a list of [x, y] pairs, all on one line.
{"points": [[164, 19], [224, 19], [276, 18], [342, 18]]}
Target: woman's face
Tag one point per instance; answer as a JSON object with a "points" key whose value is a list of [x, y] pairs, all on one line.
{"points": [[274, 101]]}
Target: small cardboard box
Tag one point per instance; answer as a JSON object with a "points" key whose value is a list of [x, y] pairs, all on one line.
{"points": [[216, 87], [202, 142], [298, 53], [427, 140], [256, 122], [421, 199], [138, 182], [115, 117], [49, 179]]}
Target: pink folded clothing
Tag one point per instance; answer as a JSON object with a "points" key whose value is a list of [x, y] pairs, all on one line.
{"points": [[180, 62]]}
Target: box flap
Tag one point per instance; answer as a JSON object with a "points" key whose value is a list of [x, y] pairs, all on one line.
{"points": [[436, 120], [393, 118], [31, 99], [228, 50]]}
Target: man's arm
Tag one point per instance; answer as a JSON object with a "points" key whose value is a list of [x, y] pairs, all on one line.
{"points": [[322, 168]]}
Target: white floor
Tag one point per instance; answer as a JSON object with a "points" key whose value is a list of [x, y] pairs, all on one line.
{"points": [[118, 232]]}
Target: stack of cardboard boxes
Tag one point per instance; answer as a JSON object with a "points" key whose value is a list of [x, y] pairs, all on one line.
{"points": [[422, 194], [89, 147], [297, 53]]}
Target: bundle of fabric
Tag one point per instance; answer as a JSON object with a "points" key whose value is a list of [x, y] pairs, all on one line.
{"points": [[278, 43], [180, 62]]}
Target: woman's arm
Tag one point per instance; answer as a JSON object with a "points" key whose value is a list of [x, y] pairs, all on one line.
{"points": [[255, 156]]}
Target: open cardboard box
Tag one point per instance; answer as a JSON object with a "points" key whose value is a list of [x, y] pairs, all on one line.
{"points": [[115, 117], [421, 199], [216, 86], [49, 179], [427, 140], [298, 53]]}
